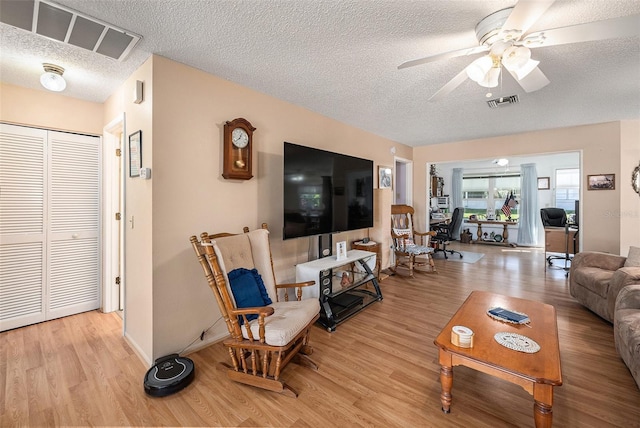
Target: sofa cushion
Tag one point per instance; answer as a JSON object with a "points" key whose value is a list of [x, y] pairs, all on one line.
{"points": [[627, 339], [593, 279], [634, 257]]}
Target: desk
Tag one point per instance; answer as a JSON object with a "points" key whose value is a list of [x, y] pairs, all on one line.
{"points": [[559, 240], [505, 231]]}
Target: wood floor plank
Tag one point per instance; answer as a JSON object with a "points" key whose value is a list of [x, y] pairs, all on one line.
{"points": [[379, 369]]}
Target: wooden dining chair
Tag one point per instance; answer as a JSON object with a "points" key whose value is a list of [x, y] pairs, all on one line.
{"points": [[267, 330], [410, 247]]}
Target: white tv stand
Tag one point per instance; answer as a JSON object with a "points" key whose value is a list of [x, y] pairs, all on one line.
{"points": [[339, 300]]}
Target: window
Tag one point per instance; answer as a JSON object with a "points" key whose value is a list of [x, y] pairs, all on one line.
{"points": [[567, 188], [480, 193]]}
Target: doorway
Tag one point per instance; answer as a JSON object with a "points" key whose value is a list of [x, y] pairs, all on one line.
{"points": [[113, 255], [403, 189]]}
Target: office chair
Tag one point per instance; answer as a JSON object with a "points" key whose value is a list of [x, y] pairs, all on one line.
{"points": [[557, 217], [445, 232]]}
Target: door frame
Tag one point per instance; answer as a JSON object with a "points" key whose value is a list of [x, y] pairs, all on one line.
{"points": [[113, 194]]}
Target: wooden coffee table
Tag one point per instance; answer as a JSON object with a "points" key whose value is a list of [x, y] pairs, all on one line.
{"points": [[537, 373]]}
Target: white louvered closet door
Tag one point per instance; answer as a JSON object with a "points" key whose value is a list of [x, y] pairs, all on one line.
{"points": [[74, 220], [23, 167], [49, 225]]}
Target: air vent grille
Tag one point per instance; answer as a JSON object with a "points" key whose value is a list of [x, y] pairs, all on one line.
{"points": [[503, 101], [68, 26]]}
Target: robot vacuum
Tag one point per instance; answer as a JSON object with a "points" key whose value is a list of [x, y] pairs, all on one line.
{"points": [[168, 375]]}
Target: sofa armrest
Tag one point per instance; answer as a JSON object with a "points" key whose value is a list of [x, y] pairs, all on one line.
{"points": [[620, 279], [597, 259], [629, 297]]}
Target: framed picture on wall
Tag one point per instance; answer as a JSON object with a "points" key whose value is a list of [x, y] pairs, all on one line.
{"points": [[135, 154], [601, 182], [384, 177], [543, 183]]}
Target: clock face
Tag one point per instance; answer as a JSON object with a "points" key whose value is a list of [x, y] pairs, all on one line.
{"points": [[240, 138]]}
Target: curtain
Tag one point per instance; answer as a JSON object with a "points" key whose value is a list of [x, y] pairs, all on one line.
{"points": [[528, 210], [456, 196]]}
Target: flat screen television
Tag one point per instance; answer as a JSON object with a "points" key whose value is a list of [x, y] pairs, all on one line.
{"points": [[325, 192]]}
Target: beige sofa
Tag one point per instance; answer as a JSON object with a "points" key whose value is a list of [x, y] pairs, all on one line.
{"points": [[595, 279], [626, 328]]}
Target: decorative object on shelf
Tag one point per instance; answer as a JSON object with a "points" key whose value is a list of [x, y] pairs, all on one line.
{"points": [[341, 250], [601, 182], [384, 177], [346, 279], [508, 315], [517, 342], [635, 179], [543, 183], [497, 238], [135, 154], [238, 148]]}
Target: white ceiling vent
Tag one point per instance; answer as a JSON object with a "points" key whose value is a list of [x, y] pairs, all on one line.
{"points": [[68, 26], [503, 101]]}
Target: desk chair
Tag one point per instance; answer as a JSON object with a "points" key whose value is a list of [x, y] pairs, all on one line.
{"points": [[445, 232], [557, 217]]}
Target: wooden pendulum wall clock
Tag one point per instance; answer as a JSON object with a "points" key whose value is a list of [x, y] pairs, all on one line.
{"points": [[238, 148]]}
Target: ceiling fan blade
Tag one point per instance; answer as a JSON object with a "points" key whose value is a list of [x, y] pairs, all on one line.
{"points": [[444, 55], [625, 26], [450, 86], [533, 81], [524, 15]]}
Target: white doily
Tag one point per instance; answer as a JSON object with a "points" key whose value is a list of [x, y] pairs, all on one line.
{"points": [[517, 342]]}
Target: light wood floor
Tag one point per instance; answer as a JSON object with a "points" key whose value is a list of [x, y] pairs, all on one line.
{"points": [[378, 369]]}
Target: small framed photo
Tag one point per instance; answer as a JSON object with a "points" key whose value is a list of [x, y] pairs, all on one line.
{"points": [[135, 154], [543, 183], [384, 177], [601, 182]]}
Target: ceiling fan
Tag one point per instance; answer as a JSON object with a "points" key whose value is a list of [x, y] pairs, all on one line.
{"points": [[503, 35]]}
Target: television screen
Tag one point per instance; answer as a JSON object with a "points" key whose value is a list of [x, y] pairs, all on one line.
{"points": [[325, 192]]}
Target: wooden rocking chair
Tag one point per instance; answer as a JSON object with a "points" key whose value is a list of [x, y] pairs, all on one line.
{"points": [[411, 248], [280, 331]]}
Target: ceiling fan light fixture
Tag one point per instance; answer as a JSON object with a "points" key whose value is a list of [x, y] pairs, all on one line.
{"points": [[491, 79], [478, 69], [516, 57], [52, 78]]}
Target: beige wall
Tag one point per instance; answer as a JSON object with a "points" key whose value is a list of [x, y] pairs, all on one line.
{"points": [[629, 212], [190, 196], [49, 110], [601, 146], [138, 212]]}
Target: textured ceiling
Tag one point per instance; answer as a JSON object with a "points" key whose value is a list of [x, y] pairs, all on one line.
{"points": [[339, 58]]}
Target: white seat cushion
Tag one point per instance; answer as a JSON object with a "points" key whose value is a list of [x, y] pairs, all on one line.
{"points": [[288, 319]]}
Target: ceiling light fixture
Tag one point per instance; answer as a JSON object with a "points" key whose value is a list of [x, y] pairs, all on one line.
{"points": [[52, 78], [501, 161]]}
